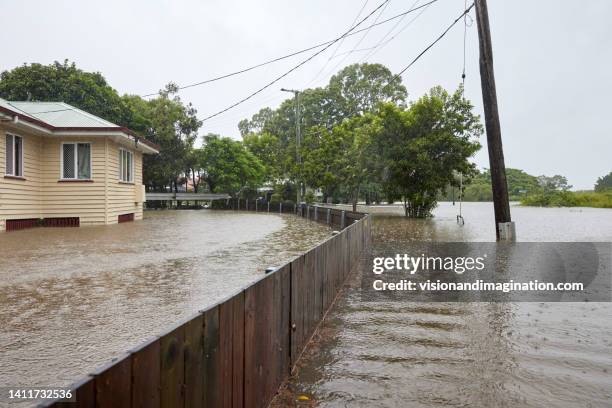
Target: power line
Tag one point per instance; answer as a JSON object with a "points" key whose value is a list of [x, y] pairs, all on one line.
{"points": [[293, 54], [384, 44], [295, 67], [390, 31], [359, 42], [339, 45], [435, 41]]}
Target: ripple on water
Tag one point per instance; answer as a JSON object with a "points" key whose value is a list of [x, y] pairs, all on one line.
{"points": [[72, 299], [393, 354]]}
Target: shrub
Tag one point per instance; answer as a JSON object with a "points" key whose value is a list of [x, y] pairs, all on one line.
{"points": [[309, 197], [569, 199], [276, 198]]}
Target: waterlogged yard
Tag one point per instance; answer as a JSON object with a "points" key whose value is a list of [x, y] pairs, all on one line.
{"points": [[71, 299]]}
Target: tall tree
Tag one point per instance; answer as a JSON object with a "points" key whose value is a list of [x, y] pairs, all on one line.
{"points": [[359, 88], [355, 90], [64, 82], [174, 126], [604, 183], [268, 149], [553, 183]]}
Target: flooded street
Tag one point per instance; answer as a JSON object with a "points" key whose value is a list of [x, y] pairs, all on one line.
{"points": [[407, 354], [73, 298]]}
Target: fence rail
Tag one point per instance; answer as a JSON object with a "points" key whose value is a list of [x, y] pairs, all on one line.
{"points": [[185, 196], [237, 352]]}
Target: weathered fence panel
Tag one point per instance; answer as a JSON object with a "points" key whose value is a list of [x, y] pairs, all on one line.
{"points": [[212, 358], [146, 376], [114, 385], [194, 361], [172, 374], [237, 353], [238, 342]]}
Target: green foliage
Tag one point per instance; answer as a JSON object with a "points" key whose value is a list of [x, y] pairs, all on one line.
{"points": [[267, 148], [478, 187], [164, 120], [359, 139], [353, 91], [227, 166], [64, 82], [288, 204], [421, 149], [604, 183], [359, 88], [276, 198], [309, 197], [173, 126], [569, 199], [554, 183]]}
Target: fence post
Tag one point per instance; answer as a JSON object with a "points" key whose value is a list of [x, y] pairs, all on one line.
{"points": [[316, 215], [294, 209], [307, 212], [256, 201], [247, 205], [343, 220], [268, 206], [238, 206], [328, 216], [280, 207]]}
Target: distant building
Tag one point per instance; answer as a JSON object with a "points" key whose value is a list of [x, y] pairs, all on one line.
{"points": [[63, 166]]}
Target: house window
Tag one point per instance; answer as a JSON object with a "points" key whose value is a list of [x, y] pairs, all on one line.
{"points": [[76, 161], [14, 156], [126, 166]]}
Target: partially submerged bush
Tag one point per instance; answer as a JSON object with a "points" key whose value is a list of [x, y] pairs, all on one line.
{"points": [[569, 199]]}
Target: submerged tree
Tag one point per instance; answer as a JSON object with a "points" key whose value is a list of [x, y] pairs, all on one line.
{"points": [[421, 148]]}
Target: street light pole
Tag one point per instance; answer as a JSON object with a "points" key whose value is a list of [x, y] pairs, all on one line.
{"points": [[298, 140]]}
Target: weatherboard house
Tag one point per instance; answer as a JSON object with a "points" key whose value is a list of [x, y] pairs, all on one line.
{"points": [[65, 167]]}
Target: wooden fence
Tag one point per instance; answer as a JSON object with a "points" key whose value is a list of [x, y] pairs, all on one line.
{"points": [[333, 217], [238, 352]]}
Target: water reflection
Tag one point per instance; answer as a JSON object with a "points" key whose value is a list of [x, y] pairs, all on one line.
{"points": [[402, 354], [70, 299]]}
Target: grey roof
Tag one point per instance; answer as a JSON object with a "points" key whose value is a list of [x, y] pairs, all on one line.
{"points": [[57, 114]]}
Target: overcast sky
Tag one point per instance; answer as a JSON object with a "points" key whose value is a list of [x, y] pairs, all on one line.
{"points": [[553, 60]]}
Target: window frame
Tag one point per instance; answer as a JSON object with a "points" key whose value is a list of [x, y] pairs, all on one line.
{"points": [[76, 161], [14, 174], [130, 154]]}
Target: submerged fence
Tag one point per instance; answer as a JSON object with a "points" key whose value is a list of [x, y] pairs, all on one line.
{"points": [[238, 352], [331, 216]]}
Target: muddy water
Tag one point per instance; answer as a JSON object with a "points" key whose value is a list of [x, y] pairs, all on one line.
{"points": [[390, 354], [71, 299]]}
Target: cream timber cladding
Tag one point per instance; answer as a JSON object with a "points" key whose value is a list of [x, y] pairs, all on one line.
{"points": [[69, 171], [20, 196], [120, 194]]}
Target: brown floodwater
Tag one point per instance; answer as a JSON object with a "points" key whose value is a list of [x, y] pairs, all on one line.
{"points": [[72, 299], [407, 354]]}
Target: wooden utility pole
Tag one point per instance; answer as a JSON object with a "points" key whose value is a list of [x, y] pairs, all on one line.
{"points": [[504, 228]]}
